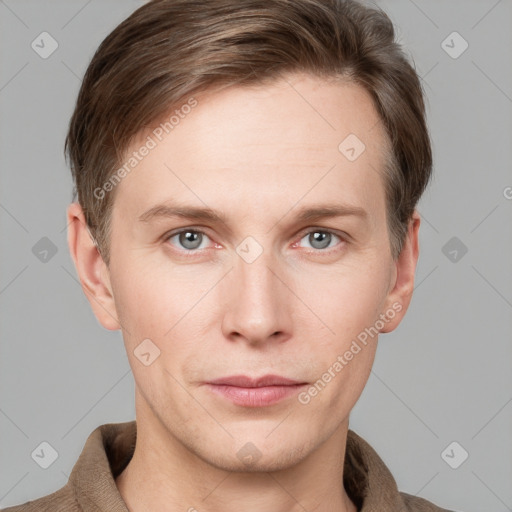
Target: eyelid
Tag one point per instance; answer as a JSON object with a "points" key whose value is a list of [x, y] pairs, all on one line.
{"points": [[314, 229], [177, 231]]}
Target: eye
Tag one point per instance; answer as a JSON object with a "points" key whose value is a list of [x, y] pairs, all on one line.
{"points": [[188, 239], [320, 239], [191, 240]]}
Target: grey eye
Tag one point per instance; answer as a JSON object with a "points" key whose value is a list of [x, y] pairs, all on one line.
{"points": [[319, 239], [190, 239]]}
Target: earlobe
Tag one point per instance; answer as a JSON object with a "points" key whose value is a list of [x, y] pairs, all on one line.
{"points": [[91, 269], [400, 296]]}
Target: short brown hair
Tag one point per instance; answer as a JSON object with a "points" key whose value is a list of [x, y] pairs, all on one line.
{"points": [[168, 50]]}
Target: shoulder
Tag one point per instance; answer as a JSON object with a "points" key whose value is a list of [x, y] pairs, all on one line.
{"points": [[62, 500], [417, 504], [371, 485], [91, 484]]}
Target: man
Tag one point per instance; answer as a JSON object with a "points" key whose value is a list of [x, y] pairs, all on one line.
{"points": [[247, 174]]}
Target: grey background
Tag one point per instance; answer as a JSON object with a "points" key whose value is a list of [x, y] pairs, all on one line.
{"points": [[445, 375]]}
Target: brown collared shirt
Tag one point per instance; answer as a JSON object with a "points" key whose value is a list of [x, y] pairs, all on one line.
{"points": [[91, 486]]}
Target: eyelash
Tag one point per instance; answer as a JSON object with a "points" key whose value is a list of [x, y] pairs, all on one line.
{"points": [[195, 252]]}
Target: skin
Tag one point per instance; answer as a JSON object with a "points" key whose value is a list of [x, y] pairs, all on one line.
{"points": [[258, 155]]}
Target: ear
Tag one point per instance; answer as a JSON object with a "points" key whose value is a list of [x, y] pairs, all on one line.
{"points": [[93, 273], [402, 286]]}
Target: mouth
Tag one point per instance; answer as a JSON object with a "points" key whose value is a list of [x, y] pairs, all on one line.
{"points": [[255, 392]]}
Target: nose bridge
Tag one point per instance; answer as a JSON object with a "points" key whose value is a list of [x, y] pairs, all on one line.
{"points": [[256, 309]]}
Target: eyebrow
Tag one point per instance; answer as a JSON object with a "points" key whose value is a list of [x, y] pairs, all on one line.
{"points": [[207, 214]]}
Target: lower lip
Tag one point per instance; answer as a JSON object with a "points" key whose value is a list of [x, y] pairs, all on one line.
{"points": [[255, 397]]}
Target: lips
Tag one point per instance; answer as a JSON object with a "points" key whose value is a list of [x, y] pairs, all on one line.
{"points": [[243, 381], [264, 391]]}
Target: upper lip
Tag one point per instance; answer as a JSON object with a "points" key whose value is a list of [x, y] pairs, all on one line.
{"points": [[243, 381]]}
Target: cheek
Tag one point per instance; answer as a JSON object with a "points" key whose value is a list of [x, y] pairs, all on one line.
{"points": [[159, 301], [347, 299], [340, 299], [349, 304]]}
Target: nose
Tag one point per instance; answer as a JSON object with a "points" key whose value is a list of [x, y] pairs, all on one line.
{"points": [[258, 308]]}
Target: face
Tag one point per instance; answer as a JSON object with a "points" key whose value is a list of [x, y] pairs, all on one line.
{"points": [[249, 242]]}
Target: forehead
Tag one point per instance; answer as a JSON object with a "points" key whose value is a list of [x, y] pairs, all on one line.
{"points": [[260, 144]]}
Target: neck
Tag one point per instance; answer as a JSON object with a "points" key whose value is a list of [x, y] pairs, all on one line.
{"points": [[165, 475]]}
